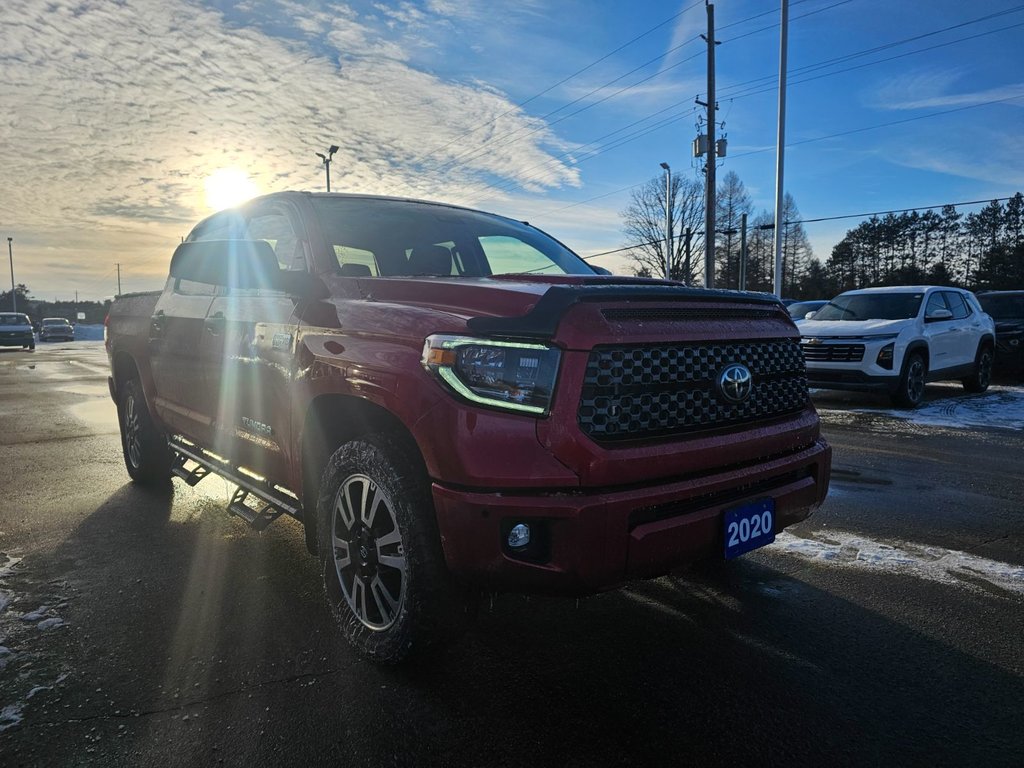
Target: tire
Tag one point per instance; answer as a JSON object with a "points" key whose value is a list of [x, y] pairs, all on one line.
{"points": [[384, 573], [144, 446], [978, 382], [910, 390]]}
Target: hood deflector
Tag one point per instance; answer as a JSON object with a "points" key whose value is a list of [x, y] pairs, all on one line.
{"points": [[542, 321]]}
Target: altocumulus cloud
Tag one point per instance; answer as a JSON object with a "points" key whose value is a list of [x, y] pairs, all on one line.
{"points": [[114, 113]]}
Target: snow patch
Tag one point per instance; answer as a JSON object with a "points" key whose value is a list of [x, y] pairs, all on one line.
{"points": [[37, 614], [946, 566], [50, 623], [10, 716], [1000, 407]]}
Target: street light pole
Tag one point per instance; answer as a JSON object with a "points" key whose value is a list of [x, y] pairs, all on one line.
{"points": [[668, 221], [14, 293], [327, 162]]}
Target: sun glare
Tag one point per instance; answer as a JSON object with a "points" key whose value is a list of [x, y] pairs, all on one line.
{"points": [[228, 187]]}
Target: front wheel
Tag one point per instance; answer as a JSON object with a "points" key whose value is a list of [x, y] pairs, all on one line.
{"points": [[982, 376], [910, 390], [380, 552], [145, 448]]}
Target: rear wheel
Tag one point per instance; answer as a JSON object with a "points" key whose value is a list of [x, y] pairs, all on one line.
{"points": [[380, 552], [145, 447], [910, 390], [982, 376]]}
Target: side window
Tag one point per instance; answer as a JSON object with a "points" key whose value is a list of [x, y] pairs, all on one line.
{"points": [[956, 304], [935, 301], [356, 262], [511, 255], [275, 228]]}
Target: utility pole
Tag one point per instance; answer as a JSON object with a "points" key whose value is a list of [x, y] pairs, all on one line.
{"points": [[668, 221], [709, 174], [14, 293], [119, 278], [743, 252], [780, 149], [686, 256]]}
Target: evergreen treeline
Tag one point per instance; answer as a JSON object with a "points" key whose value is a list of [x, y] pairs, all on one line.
{"points": [[983, 250]]}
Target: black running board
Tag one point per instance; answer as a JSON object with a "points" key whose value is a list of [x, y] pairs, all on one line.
{"points": [[256, 501]]}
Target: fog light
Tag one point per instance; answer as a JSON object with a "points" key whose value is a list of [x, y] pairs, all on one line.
{"points": [[885, 356], [519, 536]]}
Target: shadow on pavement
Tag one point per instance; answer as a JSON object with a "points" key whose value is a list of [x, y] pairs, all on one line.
{"points": [[194, 641]]}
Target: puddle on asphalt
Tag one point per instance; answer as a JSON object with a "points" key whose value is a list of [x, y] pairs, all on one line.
{"points": [[89, 390], [99, 413]]}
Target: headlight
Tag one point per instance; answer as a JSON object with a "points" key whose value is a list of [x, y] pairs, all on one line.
{"points": [[511, 375]]}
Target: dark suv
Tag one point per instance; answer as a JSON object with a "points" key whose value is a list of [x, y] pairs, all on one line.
{"points": [[1007, 309]]}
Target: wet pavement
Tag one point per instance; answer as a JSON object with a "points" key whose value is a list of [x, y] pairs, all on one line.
{"points": [[152, 629]]}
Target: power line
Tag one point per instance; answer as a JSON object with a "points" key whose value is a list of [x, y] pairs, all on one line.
{"points": [[560, 82], [886, 125], [897, 210], [806, 69], [753, 92], [824, 218], [516, 135]]}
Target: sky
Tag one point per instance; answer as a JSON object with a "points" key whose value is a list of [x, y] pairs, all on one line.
{"points": [[124, 122]]}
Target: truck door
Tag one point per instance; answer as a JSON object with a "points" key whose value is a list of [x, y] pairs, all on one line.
{"points": [[247, 352], [175, 333], [175, 330]]}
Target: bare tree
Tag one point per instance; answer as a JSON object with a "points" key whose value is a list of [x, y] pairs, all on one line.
{"points": [[732, 202], [643, 223]]}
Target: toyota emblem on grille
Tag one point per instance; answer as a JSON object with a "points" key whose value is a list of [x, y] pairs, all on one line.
{"points": [[735, 383]]}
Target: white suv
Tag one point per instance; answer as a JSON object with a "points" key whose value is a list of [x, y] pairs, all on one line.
{"points": [[896, 339]]}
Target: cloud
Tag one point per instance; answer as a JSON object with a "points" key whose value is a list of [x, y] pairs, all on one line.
{"points": [[115, 113], [937, 89]]}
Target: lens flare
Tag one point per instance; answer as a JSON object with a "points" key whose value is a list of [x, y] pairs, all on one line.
{"points": [[228, 187]]}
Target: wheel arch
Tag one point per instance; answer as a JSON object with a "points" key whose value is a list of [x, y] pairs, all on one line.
{"points": [[330, 421], [124, 367], [921, 347]]}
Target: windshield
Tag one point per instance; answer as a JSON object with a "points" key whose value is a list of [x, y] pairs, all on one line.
{"points": [[14, 319], [1009, 307], [801, 308], [390, 238], [871, 306]]}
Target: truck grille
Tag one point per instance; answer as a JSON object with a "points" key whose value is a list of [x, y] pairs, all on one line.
{"points": [[633, 392], [833, 353]]}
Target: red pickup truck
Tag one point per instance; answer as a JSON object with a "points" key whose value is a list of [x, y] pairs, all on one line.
{"points": [[450, 401]]}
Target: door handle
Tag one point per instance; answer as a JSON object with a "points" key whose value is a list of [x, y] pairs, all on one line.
{"points": [[215, 323], [156, 324]]}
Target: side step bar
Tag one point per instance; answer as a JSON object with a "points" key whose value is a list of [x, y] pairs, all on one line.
{"points": [[257, 502]]}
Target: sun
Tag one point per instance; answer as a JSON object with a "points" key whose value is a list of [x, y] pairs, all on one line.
{"points": [[228, 187]]}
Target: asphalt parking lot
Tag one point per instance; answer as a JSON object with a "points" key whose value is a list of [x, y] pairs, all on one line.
{"points": [[152, 629]]}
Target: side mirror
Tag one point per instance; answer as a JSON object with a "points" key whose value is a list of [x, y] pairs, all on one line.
{"points": [[938, 314], [600, 270], [302, 285], [232, 263], [810, 314]]}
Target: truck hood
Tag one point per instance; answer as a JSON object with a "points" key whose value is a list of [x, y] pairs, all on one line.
{"points": [[515, 305], [849, 328], [504, 296]]}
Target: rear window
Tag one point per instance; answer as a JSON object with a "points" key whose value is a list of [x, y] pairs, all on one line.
{"points": [[871, 306], [11, 318]]}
